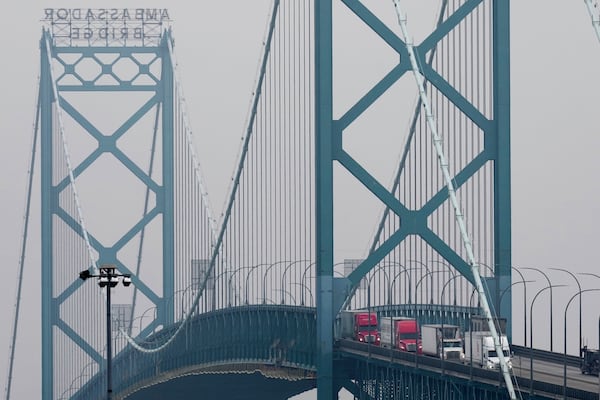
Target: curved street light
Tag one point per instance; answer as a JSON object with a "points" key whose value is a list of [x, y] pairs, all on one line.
{"points": [[248, 277], [551, 318], [524, 298], [531, 334], [442, 301], [524, 306], [222, 273], [144, 314], [391, 288], [579, 287], [302, 288], [283, 293], [305, 270], [235, 271], [267, 273], [286, 269], [385, 275], [404, 270], [524, 282], [450, 270], [421, 280], [428, 272]]}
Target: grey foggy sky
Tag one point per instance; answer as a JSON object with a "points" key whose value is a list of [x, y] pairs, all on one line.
{"points": [[555, 109]]}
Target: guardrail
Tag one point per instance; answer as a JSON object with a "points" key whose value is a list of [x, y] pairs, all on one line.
{"points": [[545, 355]]}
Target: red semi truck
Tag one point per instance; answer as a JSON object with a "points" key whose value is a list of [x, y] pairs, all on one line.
{"points": [[360, 325], [401, 333]]}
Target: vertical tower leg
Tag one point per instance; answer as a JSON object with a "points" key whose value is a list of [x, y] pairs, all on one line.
{"points": [[324, 197], [502, 193]]}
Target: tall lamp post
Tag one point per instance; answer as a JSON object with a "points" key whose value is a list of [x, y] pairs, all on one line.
{"points": [[579, 288], [109, 278], [524, 282], [550, 285], [531, 333], [524, 306], [442, 318]]}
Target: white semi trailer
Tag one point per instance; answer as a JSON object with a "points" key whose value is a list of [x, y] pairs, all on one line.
{"points": [[480, 350], [443, 341]]}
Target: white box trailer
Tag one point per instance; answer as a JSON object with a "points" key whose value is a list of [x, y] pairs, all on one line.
{"points": [[443, 341], [480, 349]]}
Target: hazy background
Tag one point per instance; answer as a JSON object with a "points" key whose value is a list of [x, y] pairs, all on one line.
{"points": [[555, 141]]}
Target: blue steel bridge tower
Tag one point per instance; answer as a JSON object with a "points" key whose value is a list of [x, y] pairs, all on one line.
{"points": [[109, 183], [465, 63]]}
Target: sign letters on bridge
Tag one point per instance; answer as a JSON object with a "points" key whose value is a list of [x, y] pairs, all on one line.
{"points": [[106, 26]]}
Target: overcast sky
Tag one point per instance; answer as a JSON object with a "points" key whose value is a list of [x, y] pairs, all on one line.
{"points": [[555, 137]]}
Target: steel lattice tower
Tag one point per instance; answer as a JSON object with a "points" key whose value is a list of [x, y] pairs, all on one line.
{"points": [[493, 127], [99, 59]]}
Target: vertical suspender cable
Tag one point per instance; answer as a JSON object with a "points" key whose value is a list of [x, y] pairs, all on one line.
{"points": [[23, 248], [233, 188], [190, 143], [146, 206], [68, 158], [407, 146], [437, 141]]}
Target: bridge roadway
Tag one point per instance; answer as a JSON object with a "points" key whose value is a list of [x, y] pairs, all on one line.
{"points": [[547, 375], [259, 349]]}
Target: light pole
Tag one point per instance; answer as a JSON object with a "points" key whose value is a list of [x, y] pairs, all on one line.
{"points": [[531, 335], [579, 288], [109, 278], [431, 285], [450, 270], [286, 269], [391, 287], [302, 288], [428, 272], [524, 282], [565, 338], [283, 293], [524, 307], [266, 273], [551, 319], [471, 332], [442, 301]]}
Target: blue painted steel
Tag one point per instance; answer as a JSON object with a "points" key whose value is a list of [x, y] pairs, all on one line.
{"points": [[244, 153], [324, 158], [47, 207], [277, 339], [502, 179], [280, 341], [52, 209], [165, 313], [496, 143]]}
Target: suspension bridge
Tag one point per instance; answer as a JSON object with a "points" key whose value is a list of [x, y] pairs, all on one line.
{"points": [[246, 303]]}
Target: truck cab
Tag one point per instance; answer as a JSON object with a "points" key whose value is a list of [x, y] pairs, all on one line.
{"points": [[408, 336], [365, 328], [443, 341], [359, 325], [590, 361]]}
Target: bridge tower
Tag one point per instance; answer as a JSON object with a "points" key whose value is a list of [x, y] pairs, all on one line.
{"points": [[470, 82], [108, 114]]}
